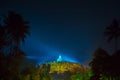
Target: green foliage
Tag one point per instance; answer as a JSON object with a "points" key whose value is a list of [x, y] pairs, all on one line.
{"points": [[77, 77], [80, 76]]}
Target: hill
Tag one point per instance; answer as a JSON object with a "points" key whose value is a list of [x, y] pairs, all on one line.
{"points": [[61, 67], [64, 70]]}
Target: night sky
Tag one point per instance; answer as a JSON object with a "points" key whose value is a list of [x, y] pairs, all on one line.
{"points": [[73, 29]]}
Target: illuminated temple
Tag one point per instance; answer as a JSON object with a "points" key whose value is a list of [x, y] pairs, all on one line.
{"points": [[59, 59]]}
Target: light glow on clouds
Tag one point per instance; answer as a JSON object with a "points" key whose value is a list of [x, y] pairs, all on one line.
{"points": [[49, 53]]}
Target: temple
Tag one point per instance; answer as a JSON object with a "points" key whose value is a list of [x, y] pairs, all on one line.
{"points": [[59, 59]]}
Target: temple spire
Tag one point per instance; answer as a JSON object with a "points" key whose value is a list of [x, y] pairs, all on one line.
{"points": [[59, 59]]}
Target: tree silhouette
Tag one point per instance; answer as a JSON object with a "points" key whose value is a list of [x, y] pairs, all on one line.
{"points": [[115, 65], [17, 28], [113, 32], [99, 63], [13, 31]]}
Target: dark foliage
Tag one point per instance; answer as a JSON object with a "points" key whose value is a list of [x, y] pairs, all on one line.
{"points": [[104, 65], [12, 32]]}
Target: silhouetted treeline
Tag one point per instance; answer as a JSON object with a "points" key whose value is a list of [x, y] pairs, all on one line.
{"points": [[103, 65], [13, 31]]}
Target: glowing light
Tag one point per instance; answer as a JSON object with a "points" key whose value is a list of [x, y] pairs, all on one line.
{"points": [[59, 59]]}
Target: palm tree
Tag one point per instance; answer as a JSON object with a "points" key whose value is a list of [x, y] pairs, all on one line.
{"points": [[113, 32], [17, 28]]}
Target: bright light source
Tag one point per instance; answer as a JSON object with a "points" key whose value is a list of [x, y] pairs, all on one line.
{"points": [[59, 59]]}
